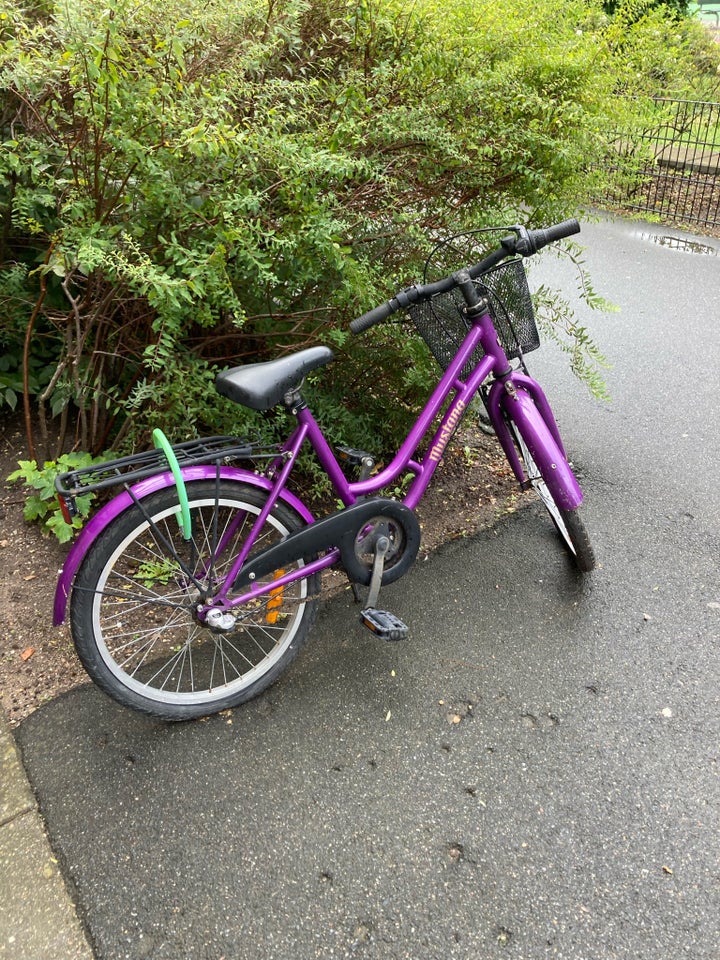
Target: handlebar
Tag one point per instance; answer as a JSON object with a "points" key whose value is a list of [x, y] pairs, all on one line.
{"points": [[537, 239], [521, 241]]}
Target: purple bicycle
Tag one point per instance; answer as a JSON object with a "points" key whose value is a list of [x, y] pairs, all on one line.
{"points": [[195, 586]]}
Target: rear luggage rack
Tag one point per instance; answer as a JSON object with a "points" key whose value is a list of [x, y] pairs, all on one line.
{"points": [[127, 470]]}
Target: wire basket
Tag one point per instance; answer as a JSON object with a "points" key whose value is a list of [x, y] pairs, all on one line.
{"points": [[442, 323]]}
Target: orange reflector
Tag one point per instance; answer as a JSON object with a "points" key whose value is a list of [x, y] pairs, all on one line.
{"points": [[276, 598]]}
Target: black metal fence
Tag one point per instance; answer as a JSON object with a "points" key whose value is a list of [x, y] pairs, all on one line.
{"points": [[674, 168]]}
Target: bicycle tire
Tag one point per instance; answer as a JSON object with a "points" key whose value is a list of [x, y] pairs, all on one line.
{"points": [[132, 609], [568, 523]]}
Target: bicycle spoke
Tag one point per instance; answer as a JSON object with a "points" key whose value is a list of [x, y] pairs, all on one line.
{"points": [[141, 606]]}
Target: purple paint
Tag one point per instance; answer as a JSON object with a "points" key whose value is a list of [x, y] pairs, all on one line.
{"points": [[512, 395], [117, 505]]}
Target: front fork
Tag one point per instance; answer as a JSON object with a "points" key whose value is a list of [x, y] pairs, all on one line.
{"points": [[522, 400]]}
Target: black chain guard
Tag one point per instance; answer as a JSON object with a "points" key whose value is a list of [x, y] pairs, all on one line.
{"points": [[359, 524], [392, 519]]}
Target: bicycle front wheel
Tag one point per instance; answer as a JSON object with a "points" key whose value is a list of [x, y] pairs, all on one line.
{"points": [[133, 609], [568, 523]]}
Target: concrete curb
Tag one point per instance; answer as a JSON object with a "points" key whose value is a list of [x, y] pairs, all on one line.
{"points": [[37, 917]]}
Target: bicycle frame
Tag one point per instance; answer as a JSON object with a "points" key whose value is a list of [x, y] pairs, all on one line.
{"points": [[508, 385], [482, 332], [195, 587]]}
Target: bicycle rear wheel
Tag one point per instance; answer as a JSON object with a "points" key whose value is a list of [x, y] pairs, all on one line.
{"points": [[134, 602], [568, 523]]}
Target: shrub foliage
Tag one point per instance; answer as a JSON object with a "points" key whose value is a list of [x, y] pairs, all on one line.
{"points": [[190, 184]]}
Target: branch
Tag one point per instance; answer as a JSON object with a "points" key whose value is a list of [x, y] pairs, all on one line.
{"points": [[26, 356]]}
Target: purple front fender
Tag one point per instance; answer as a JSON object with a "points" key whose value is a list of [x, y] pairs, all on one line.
{"points": [[117, 505]]}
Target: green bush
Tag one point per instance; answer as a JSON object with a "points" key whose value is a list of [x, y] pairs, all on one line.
{"points": [[41, 504], [638, 8], [186, 185], [660, 53]]}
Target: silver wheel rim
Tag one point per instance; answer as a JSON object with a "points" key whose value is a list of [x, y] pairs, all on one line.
{"points": [[226, 678], [535, 477]]}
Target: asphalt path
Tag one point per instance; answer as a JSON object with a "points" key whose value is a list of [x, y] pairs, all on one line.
{"points": [[534, 773]]}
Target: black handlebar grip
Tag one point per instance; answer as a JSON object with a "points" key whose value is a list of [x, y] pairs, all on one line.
{"points": [[541, 238], [369, 319]]}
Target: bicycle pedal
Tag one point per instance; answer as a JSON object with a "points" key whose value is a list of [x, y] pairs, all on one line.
{"points": [[352, 456], [384, 624], [359, 460]]}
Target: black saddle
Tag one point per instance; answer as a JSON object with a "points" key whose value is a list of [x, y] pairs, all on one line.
{"points": [[261, 386]]}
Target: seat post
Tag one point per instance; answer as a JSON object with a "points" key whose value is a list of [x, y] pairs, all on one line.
{"points": [[294, 401]]}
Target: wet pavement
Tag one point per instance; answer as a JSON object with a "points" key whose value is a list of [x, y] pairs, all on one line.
{"points": [[534, 773]]}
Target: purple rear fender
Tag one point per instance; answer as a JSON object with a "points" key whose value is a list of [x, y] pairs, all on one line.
{"points": [[95, 526]]}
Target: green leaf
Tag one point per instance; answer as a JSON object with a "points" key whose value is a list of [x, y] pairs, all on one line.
{"points": [[62, 530]]}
